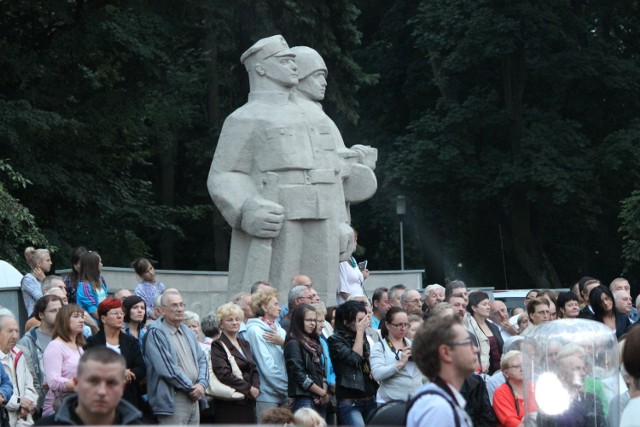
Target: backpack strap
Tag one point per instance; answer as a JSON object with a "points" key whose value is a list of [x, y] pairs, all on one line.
{"points": [[415, 398]]}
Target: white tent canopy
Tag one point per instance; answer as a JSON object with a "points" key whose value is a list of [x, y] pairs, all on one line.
{"points": [[9, 276]]}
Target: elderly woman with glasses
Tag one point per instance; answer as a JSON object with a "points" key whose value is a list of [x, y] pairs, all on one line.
{"points": [[391, 362], [111, 314], [508, 399]]}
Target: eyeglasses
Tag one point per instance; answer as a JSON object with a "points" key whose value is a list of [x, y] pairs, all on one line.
{"points": [[400, 325], [115, 313], [464, 342]]}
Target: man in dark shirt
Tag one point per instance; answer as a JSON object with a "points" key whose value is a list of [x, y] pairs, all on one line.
{"points": [[98, 400]]}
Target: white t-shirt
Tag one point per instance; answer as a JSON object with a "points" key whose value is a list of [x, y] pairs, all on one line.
{"points": [[631, 413], [351, 279]]}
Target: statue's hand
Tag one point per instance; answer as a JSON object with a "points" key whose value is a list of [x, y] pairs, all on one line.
{"points": [[367, 155], [262, 218]]}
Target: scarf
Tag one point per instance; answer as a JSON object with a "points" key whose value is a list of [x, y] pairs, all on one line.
{"points": [[313, 347]]}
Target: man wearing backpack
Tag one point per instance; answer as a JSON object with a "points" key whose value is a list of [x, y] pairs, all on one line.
{"points": [[445, 353]]}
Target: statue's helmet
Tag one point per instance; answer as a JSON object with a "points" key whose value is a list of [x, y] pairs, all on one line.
{"points": [[308, 61], [265, 48]]}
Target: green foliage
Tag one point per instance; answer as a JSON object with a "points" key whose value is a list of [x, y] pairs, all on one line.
{"points": [[508, 117], [17, 225], [111, 111]]}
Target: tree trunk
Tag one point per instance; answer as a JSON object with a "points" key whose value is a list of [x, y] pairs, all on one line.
{"points": [[527, 250], [168, 182], [214, 121]]}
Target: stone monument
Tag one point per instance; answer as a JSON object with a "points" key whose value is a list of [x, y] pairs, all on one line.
{"points": [[282, 177]]}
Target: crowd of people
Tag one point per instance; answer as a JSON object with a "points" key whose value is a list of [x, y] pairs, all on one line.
{"points": [[454, 355]]}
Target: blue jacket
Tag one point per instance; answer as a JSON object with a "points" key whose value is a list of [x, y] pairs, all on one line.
{"points": [[87, 297], [163, 374], [6, 388], [328, 366], [269, 359]]}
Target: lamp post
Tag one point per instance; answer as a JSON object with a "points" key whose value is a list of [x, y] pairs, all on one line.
{"points": [[401, 209]]}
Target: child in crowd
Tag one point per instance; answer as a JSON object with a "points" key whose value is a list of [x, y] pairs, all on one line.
{"points": [[39, 260], [277, 416], [149, 288], [71, 280], [92, 289], [307, 417]]}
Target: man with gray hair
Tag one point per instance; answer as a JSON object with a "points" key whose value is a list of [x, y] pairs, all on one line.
{"points": [[297, 295], [432, 295], [51, 282], [623, 302], [394, 295], [22, 404], [177, 369], [210, 328], [411, 302], [300, 280], [260, 285], [622, 284]]}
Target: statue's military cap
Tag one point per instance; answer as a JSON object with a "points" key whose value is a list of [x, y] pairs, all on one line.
{"points": [[266, 48]]}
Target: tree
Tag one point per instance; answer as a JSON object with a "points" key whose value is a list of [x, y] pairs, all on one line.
{"points": [[527, 98]]}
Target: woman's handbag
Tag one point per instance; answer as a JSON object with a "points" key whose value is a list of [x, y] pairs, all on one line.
{"points": [[222, 391], [4, 417]]}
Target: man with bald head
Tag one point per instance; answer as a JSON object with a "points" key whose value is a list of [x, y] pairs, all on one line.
{"points": [[301, 280], [620, 284], [500, 317], [623, 302]]}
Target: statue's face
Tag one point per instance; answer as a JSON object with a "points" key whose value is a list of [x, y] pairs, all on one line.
{"points": [[282, 70], [313, 86]]}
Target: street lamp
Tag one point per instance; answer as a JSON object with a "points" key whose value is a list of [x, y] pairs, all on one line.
{"points": [[401, 209]]}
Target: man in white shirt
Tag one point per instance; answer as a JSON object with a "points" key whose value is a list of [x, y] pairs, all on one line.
{"points": [[445, 353]]}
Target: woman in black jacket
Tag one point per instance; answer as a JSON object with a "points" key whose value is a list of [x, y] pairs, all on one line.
{"points": [[304, 359], [603, 304], [111, 315], [349, 352]]}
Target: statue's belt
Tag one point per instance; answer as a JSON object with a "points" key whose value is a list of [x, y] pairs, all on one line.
{"points": [[308, 177]]}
